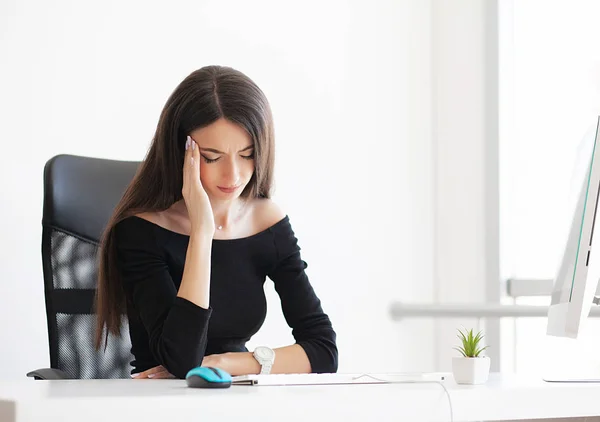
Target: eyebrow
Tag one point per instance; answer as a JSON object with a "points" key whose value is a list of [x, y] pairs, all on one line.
{"points": [[216, 151]]}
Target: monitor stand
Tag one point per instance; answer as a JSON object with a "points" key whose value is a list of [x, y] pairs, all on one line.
{"points": [[574, 360]]}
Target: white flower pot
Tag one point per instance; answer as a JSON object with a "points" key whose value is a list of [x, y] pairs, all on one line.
{"points": [[471, 370]]}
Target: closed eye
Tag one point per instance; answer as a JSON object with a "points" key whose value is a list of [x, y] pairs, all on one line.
{"points": [[208, 160], [213, 160]]}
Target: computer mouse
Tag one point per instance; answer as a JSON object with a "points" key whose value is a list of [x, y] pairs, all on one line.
{"points": [[208, 377]]}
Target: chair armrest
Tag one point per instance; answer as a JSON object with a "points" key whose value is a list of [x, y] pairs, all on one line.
{"points": [[48, 374]]}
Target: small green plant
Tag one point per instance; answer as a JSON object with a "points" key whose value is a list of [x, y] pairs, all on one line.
{"points": [[470, 343]]}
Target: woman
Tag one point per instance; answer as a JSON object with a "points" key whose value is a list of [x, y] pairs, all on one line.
{"points": [[189, 246]]}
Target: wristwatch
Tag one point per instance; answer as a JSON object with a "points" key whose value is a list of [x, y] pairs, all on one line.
{"points": [[265, 357]]}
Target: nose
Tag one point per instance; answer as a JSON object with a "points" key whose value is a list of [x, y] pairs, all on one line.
{"points": [[231, 173]]}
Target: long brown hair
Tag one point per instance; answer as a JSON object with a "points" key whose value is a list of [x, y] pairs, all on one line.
{"points": [[203, 97]]}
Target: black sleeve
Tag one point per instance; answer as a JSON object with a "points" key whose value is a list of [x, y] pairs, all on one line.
{"points": [[301, 307], [176, 327]]}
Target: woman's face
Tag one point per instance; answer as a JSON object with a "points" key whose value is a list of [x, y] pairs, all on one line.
{"points": [[227, 159]]}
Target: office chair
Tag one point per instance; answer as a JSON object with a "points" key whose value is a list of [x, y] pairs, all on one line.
{"points": [[80, 194]]}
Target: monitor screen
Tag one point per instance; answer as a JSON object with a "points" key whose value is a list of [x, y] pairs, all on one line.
{"points": [[577, 277]]}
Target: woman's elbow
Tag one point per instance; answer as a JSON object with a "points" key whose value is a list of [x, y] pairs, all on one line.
{"points": [[177, 360]]}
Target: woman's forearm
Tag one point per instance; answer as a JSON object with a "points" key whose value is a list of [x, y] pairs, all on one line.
{"points": [[288, 360], [291, 360], [195, 283]]}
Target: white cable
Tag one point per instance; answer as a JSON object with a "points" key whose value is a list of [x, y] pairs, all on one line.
{"points": [[414, 382], [448, 396]]}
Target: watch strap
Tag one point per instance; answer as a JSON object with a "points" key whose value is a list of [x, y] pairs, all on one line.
{"points": [[265, 369]]}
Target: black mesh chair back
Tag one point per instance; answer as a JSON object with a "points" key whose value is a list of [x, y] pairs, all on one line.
{"points": [[80, 194]]}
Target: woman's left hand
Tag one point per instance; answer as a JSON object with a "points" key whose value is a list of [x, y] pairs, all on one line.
{"points": [[234, 363], [216, 361]]}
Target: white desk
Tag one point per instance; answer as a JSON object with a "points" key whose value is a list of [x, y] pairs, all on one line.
{"points": [[502, 398]]}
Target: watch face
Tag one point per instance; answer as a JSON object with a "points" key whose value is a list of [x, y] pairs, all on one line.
{"points": [[264, 353]]}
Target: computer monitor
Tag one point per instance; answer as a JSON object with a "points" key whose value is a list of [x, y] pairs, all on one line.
{"points": [[577, 278]]}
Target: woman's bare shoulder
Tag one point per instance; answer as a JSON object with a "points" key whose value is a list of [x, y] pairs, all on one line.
{"points": [[167, 219], [266, 213], [151, 216]]}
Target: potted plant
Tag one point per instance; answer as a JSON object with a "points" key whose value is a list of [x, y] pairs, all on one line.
{"points": [[471, 367]]}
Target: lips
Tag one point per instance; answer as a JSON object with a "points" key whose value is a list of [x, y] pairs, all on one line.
{"points": [[230, 189]]}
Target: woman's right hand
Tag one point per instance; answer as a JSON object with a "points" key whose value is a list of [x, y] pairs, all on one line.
{"points": [[158, 372], [196, 199]]}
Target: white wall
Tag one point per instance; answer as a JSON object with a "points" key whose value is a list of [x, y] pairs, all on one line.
{"points": [[350, 85], [465, 145]]}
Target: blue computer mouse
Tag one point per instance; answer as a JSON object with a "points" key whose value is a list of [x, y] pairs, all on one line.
{"points": [[207, 377]]}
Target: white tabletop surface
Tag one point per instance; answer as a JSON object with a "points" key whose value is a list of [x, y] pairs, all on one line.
{"points": [[504, 397]]}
